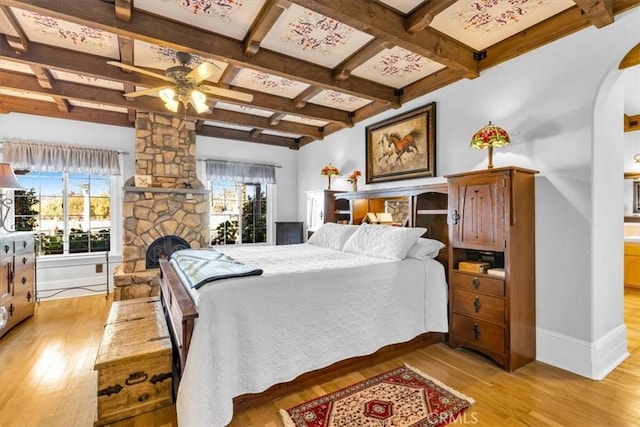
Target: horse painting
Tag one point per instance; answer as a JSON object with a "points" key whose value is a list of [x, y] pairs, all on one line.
{"points": [[405, 144], [385, 148]]}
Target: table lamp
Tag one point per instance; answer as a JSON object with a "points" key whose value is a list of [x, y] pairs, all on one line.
{"points": [[488, 137]]}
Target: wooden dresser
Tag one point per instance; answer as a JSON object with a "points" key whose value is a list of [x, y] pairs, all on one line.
{"points": [[17, 279], [492, 219]]}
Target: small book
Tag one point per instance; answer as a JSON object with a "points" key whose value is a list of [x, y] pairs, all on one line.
{"points": [[371, 218], [496, 272], [385, 218], [473, 266]]}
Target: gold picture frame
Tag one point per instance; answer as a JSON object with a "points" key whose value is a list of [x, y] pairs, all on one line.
{"points": [[402, 147]]}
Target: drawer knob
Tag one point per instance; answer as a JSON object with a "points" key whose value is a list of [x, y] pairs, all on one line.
{"points": [[24, 260], [475, 282], [455, 217], [476, 304], [143, 397], [476, 331], [23, 280], [6, 249]]}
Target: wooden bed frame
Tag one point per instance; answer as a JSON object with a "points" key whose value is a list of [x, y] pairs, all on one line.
{"points": [[181, 313]]}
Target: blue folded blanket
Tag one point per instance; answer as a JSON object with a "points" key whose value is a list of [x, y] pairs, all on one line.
{"points": [[200, 266]]}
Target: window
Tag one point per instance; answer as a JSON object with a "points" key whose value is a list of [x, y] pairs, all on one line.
{"points": [[69, 212], [238, 213]]}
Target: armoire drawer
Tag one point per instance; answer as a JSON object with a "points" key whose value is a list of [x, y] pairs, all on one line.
{"points": [[478, 283], [477, 305], [475, 333]]}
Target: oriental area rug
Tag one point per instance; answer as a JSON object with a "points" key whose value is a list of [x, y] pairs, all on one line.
{"points": [[403, 397]]}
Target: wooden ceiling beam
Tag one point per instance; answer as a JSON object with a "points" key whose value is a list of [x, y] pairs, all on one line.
{"points": [[343, 71], [421, 18], [240, 135], [63, 59], [10, 104], [385, 24], [63, 105], [152, 104], [43, 76], [300, 101], [228, 75], [554, 28], [13, 32], [271, 11], [126, 57], [631, 59], [432, 82], [599, 12], [275, 118], [123, 10], [164, 32]]}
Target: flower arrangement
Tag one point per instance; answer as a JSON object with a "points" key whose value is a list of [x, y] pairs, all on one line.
{"points": [[329, 171], [353, 177]]}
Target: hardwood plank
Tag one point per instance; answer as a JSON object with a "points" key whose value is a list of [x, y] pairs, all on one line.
{"points": [[47, 378]]}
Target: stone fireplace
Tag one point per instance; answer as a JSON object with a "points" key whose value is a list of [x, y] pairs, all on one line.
{"points": [[174, 207]]}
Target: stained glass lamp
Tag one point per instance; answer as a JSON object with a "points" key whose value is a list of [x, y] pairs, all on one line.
{"points": [[488, 137]]}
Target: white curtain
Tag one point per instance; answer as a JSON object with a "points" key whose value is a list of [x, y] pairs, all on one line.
{"points": [[60, 158], [248, 173]]}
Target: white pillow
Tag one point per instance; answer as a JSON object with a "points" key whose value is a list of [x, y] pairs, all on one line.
{"points": [[425, 248], [383, 241], [332, 236]]}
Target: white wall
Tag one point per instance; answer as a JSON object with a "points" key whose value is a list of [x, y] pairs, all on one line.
{"points": [[546, 99]]}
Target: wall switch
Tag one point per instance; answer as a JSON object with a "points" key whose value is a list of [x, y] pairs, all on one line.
{"points": [[98, 268]]}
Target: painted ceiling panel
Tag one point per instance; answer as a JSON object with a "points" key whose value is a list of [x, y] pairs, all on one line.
{"points": [[231, 18], [480, 24], [312, 37], [57, 32]]}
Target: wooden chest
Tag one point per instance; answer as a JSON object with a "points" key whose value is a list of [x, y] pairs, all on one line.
{"points": [[134, 361]]}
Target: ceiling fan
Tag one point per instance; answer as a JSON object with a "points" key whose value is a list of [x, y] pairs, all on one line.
{"points": [[185, 87]]}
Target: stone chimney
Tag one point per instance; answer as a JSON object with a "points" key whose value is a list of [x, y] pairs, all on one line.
{"points": [[176, 204]]}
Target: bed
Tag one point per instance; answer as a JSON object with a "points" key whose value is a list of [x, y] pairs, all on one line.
{"points": [[315, 304]]}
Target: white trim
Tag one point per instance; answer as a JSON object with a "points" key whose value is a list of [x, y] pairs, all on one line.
{"points": [[594, 360]]}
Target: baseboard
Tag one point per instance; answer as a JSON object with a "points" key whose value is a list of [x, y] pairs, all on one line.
{"points": [[594, 360]]}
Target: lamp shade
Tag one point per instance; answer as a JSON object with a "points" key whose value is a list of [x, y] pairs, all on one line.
{"points": [[8, 178], [490, 136]]}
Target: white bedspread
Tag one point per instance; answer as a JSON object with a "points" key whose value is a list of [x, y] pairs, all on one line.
{"points": [[311, 307]]}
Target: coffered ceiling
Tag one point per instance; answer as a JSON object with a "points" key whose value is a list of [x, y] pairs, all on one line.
{"points": [[311, 67]]}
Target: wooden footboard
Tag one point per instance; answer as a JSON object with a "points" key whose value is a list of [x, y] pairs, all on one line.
{"points": [[180, 312]]}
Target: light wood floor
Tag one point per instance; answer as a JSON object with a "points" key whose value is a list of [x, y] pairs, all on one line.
{"points": [[47, 379]]}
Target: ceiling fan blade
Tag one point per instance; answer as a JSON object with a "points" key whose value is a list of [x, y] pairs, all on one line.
{"points": [[227, 93], [203, 72], [139, 70], [146, 92]]}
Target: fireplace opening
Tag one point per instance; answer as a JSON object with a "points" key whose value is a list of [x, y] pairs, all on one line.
{"points": [[163, 247]]}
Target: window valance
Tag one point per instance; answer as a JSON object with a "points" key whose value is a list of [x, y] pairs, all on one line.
{"points": [[248, 173], [60, 158]]}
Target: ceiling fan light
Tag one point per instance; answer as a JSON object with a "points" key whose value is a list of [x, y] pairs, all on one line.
{"points": [[199, 101], [172, 105], [167, 94]]}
